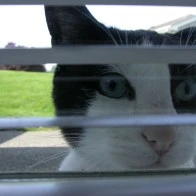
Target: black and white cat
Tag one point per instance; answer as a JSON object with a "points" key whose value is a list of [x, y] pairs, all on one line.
{"points": [[132, 89]]}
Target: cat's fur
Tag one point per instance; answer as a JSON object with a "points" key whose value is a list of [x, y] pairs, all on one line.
{"points": [[150, 89]]}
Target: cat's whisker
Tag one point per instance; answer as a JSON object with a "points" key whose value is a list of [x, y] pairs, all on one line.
{"points": [[181, 37], [45, 160], [97, 161], [126, 38], [189, 36], [121, 69], [193, 43], [94, 164], [119, 37], [48, 137], [187, 68], [115, 42], [48, 146], [118, 68], [72, 136], [58, 136], [94, 161]]}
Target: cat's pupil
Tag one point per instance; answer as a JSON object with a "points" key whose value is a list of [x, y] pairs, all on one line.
{"points": [[112, 85], [187, 89]]}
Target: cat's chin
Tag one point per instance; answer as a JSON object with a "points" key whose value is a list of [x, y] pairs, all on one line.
{"points": [[157, 165]]}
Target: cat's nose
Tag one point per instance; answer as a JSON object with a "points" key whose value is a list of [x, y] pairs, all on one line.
{"points": [[159, 138]]}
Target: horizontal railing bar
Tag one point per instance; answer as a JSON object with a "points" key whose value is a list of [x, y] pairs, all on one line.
{"points": [[98, 55], [112, 121], [101, 2]]}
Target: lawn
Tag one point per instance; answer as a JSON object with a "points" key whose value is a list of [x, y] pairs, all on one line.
{"points": [[25, 94]]}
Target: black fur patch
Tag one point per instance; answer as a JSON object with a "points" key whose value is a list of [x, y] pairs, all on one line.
{"points": [[74, 87]]}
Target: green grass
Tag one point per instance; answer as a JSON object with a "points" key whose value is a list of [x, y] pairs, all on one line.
{"points": [[25, 94]]}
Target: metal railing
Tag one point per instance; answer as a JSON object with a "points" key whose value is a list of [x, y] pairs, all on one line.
{"points": [[99, 55], [183, 185], [104, 121], [101, 2]]}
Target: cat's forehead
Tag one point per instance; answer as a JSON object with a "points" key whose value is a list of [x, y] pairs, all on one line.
{"points": [[142, 70]]}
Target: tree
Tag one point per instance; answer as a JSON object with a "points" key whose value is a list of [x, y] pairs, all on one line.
{"points": [[31, 68]]}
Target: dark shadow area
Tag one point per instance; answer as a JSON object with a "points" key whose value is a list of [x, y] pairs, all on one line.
{"points": [[7, 134], [31, 159]]}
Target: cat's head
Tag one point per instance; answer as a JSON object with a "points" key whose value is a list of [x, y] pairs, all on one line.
{"points": [[126, 89]]}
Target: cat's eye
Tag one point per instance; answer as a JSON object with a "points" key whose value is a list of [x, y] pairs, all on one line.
{"points": [[186, 90], [113, 85]]}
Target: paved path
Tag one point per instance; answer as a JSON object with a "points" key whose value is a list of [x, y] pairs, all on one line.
{"points": [[31, 151]]}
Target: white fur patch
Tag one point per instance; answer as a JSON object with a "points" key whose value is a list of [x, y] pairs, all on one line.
{"points": [[118, 149]]}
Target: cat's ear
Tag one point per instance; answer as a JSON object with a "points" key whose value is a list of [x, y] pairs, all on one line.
{"points": [[73, 25]]}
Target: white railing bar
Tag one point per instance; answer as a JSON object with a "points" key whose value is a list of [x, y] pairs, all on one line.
{"points": [[101, 2], [112, 121], [98, 55]]}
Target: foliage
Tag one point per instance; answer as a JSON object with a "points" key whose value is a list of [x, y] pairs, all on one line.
{"points": [[31, 68]]}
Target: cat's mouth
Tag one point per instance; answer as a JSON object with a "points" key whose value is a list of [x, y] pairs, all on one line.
{"points": [[156, 164]]}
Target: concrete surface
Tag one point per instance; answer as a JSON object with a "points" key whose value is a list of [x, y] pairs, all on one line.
{"points": [[31, 151]]}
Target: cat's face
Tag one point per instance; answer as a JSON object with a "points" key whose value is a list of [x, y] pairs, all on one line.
{"points": [[139, 147], [133, 89]]}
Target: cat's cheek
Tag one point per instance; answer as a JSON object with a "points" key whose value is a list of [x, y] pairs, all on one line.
{"points": [[183, 149], [176, 159], [103, 105], [130, 150], [73, 162]]}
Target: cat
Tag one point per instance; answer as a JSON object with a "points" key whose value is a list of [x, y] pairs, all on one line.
{"points": [[134, 89]]}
